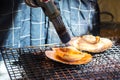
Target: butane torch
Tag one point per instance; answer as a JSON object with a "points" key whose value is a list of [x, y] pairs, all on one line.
{"points": [[53, 14]]}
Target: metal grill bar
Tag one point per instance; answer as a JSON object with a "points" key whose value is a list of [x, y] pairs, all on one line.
{"points": [[32, 64]]}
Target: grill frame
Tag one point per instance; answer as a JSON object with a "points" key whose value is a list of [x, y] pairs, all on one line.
{"points": [[30, 63]]}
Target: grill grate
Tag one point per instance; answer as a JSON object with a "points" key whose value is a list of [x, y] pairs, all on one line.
{"points": [[31, 64]]}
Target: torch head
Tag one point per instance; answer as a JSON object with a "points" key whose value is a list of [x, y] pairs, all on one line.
{"points": [[54, 16]]}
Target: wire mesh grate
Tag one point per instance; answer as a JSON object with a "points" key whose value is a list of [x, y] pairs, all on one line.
{"points": [[32, 64]]}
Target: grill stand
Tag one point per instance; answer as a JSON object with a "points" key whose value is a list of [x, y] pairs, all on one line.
{"points": [[32, 64]]}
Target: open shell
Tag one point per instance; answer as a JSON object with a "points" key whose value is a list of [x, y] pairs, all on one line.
{"points": [[53, 56]]}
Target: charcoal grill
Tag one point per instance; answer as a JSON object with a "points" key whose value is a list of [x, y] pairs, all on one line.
{"points": [[31, 64]]}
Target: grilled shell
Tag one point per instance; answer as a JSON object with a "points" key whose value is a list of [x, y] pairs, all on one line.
{"points": [[90, 43]]}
